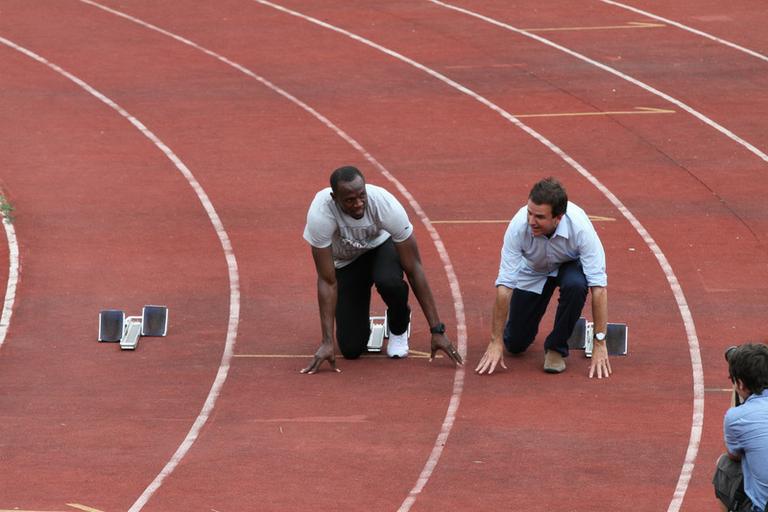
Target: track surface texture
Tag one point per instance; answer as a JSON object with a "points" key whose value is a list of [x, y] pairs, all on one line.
{"points": [[165, 152]]}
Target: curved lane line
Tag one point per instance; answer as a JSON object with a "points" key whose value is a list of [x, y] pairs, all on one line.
{"points": [[693, 342], [458, 303], [14, 271], [234, 279], [689, 29], [695, 113]]}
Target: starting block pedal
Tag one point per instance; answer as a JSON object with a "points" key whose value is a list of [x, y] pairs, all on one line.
{"points": [[111, 324], [376, 338], [114, 326], [154, 321], [131, 333], [379, 331], [616, 338]]}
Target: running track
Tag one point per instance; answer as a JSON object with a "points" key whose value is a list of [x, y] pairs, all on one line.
{"points": [[165, 152]]}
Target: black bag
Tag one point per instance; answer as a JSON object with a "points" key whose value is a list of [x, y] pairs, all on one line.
{"points": [[729, 485]]}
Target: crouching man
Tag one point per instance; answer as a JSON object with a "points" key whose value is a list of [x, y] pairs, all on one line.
{"points": [[741, 477]]}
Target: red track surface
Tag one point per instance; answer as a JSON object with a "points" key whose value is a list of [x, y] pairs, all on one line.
{"points": [[104, 219]]}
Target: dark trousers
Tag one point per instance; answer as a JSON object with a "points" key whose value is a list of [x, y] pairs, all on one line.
{"points": [[379, 266], [527, 308]]}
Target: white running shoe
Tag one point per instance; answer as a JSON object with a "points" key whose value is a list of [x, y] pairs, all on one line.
{"points": [[398, 345]]}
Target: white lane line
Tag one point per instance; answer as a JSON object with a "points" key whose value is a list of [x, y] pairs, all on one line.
{"points": [[458, 302], [697, 420], [689, 29], [698, 115], [695, 113], [693, 342], [234, 279], [14, 271]]}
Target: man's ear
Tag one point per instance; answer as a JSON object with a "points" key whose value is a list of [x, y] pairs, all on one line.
{"points": [[333, 196]]}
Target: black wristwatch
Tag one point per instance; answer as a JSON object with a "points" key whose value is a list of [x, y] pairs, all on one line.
{"points": [[438, 328]]}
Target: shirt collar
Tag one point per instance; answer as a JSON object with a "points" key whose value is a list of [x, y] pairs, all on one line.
{"points": [[563, 228]]}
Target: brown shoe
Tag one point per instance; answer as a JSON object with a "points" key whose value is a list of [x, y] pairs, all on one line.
{"points": [[554, 362]]}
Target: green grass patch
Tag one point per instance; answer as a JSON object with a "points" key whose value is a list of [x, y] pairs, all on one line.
{"points": [[6, 210]]}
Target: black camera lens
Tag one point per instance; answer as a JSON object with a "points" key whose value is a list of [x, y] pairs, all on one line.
{"points": [[728, 352]]}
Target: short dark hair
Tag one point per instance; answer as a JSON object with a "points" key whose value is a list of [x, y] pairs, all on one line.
{"points": [[550, 191], [345, 174], [749, 364]]}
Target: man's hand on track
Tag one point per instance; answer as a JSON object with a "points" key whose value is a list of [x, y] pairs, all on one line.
{"points": [[441, 342], [324, 353]]}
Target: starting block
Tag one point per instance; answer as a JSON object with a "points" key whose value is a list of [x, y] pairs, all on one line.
{"points": [[376, 338], [131, 333], [616, 338], [379, 331], [115, 326]]}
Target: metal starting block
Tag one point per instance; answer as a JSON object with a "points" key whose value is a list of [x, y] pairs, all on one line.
{"points": [[379, 331], [616, 338], [131, 333], [376, 338], [115, 326]]}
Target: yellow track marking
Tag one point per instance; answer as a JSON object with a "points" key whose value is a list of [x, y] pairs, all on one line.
{"points": [[628, 25], [412, 353], [636, 111], [274, 356], [483, 66], [73, 505]]}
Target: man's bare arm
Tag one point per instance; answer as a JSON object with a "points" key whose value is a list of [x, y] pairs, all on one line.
{"points": [[600, 365], [327, 293], [494, 354], [408, 251]]}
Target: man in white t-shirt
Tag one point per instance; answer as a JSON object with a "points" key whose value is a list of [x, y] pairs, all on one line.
{"points": [[361, 236]]}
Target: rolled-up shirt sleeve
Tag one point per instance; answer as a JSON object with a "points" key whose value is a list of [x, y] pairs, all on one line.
{"points": [[511, 252], [592, 257]]}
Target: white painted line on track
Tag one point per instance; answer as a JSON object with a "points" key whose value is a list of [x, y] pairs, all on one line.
{"points": [[234, 279], [14, 271], [693, 342], [695, 113], [689, 29], [458, 303]]}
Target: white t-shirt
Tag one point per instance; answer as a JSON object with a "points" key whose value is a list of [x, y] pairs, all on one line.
{"points": [[327, 225]]}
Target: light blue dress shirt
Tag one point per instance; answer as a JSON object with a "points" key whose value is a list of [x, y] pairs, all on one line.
{"points": [[527, 260], [746, 434]]}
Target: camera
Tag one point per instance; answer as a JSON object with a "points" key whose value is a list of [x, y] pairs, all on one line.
{"points": [[728, 353]]}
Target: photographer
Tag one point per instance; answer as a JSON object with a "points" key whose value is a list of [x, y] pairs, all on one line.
{"points": [[741, 478]]}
